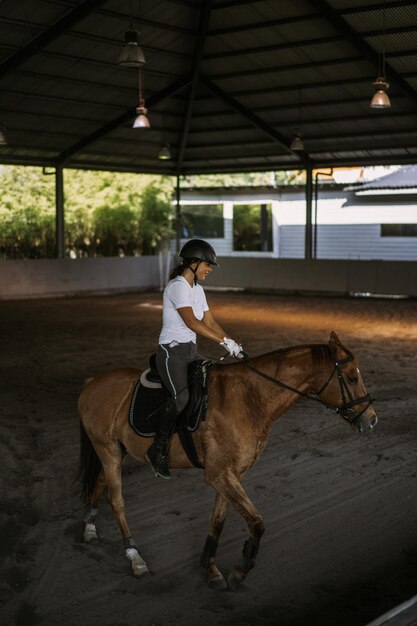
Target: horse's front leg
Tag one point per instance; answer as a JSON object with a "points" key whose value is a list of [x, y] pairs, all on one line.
{"points": [[229, 486], [208, 558]]}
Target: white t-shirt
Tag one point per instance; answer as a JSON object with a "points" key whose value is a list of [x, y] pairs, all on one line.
{"points": [[177, 294]]}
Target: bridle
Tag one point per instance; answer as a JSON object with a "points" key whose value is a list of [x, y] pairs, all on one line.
{"points": [[347, 410]]}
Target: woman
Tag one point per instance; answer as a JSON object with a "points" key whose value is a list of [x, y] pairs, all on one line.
{"points": [[185, 315]]}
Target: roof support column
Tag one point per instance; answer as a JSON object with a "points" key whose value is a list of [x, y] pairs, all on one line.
{"points": [[59, 212], [309, 205], [264, 227], [178, 215]]}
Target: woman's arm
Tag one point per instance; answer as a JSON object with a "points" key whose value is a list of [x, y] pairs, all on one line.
{"points": [[211, 330], [209, 320]]}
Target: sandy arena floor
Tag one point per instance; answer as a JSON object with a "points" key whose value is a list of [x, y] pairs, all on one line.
{"points": [[340, 508]]}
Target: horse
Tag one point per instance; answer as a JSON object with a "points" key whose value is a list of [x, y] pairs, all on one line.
{"points": [[244, 400]]}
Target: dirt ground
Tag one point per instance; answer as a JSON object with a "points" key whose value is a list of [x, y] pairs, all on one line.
{"points": [[340, 508]]}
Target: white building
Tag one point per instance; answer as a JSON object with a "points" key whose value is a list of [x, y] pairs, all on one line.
{"points": [[374, 220]]}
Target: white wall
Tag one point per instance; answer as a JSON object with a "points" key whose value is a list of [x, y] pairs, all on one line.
{"points": [[54, 277], [348, 225], [320, 276]]}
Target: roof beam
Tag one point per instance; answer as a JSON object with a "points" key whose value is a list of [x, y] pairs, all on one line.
{"points": [[49, 35], [197, 59], [179, 85], [246, 113], [143, 21], [369, 8], [227, 4], [318, 138], [291, 68], [312, 42], [312, 85], [272, 48], [360, 44], [260, 25]]}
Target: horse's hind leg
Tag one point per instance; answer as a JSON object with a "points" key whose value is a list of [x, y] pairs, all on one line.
{"points": [[208, 558], [111, 459], [90, 530], [229, 486]]}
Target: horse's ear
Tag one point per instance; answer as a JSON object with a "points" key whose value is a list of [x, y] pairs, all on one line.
{"points": [[337, 346], [334, 339]]}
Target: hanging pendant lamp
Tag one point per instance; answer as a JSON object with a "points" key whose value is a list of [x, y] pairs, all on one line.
{"points": [[165, 153], [380, 98], [132, 54], [297, 143], [141, 120]]}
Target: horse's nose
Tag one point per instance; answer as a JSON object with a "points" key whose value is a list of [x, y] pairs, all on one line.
{"points": [[373, 422]]}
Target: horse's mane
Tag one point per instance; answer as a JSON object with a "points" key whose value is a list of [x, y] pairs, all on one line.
{"points": [[320, 352]]}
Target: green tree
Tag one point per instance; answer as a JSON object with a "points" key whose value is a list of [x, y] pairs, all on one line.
{"points": [[27, 215], [115, 231], [103, 212], [247, 227], [155, 224]]}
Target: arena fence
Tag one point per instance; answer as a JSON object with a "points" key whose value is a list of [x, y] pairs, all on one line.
{"points": [[61, 277]]}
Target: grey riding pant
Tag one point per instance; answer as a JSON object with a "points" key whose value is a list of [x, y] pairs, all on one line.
{"points": [[172, 361]]}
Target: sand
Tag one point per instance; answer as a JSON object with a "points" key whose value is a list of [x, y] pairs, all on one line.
{"points": [[340, 508]]}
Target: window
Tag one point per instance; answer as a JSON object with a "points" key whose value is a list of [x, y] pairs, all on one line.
{"points": [[252, 227], [203, 220], [398, 230]]}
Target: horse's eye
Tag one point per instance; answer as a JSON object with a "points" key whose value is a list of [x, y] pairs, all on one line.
{"points": [[352, 380]]}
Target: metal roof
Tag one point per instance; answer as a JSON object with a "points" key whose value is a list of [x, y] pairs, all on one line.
{"points": [[404, 178], [227, 83]]}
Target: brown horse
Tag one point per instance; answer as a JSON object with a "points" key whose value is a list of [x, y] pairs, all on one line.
{"points": [[244, 401]]}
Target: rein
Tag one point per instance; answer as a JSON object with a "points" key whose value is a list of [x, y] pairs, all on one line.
{"points": [[346, 410]]}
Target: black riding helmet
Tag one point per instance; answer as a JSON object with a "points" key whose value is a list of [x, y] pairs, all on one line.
{"points": [[199, 250]]}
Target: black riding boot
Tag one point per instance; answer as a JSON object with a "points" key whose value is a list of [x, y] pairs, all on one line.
{"points": [[157, 455]]}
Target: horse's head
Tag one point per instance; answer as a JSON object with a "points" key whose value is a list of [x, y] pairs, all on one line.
{"points": [[345, 389]]}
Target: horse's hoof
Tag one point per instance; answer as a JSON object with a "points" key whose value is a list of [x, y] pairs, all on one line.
{"points": [[140, 570], [139, 567], [90, 534], [234, 579], [217, 583]]}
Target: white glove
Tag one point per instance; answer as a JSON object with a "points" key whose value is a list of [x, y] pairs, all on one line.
{"points": [[231, 346]]}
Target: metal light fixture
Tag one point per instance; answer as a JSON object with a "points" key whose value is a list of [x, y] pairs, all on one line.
{"points": [[297, 143], [142, 120], [165, 153], [380, 98], [132, 54]]}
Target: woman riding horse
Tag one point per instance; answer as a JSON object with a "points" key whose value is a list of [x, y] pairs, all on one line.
{"points": [[185, 314]]}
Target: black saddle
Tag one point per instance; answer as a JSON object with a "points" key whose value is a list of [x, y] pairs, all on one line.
{"points": [[150, 395]]}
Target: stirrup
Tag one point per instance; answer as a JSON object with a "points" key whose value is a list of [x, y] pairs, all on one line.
{"points": [[159, 469]]}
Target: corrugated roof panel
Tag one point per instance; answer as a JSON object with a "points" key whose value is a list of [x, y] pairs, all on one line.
{"points": [[352, 4], [404, 64], [73, 87], [248, 13], [377, 19]]}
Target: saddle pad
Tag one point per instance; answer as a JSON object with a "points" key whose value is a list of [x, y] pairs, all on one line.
{"points": [[147, 402]]}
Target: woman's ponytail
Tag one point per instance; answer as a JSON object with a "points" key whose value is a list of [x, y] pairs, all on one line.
{"points": [[180, 269], [177, 271]]}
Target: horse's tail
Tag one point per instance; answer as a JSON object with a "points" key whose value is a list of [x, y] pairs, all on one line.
{"points": [[89, 466]]}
